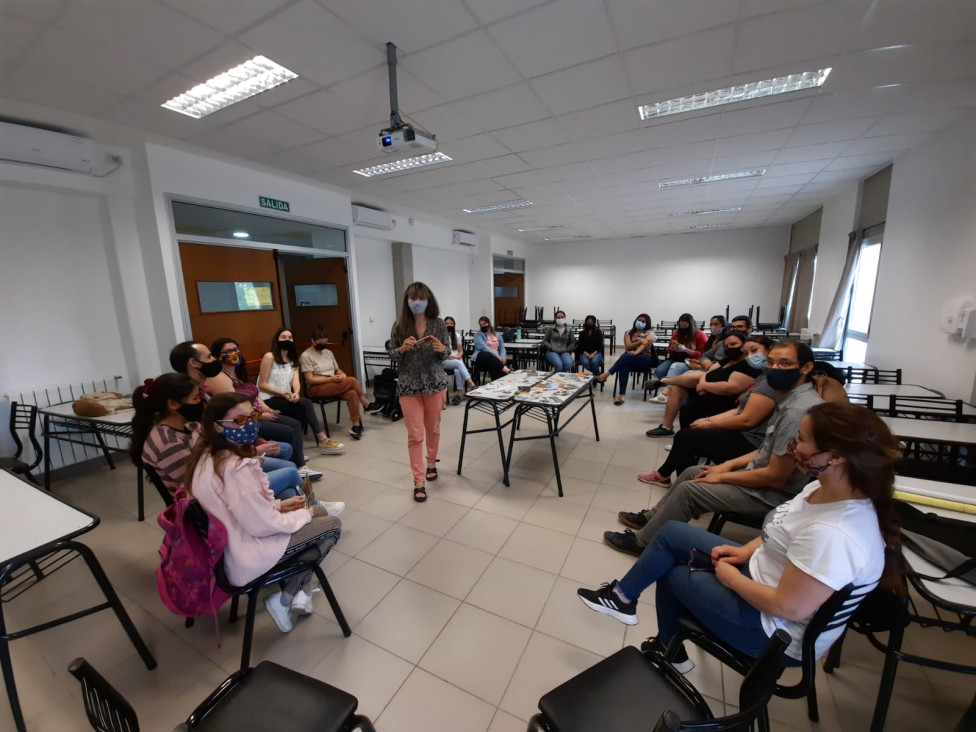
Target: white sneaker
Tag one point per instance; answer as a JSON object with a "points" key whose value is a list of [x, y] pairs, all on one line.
{"points": [[302, 604], [328, 508], [331, 446], [278, 612], [667, 448], [307, 472], [660, 399]]}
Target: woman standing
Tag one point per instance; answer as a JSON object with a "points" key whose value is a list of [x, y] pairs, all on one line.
{"points": [[419, 341], [454, 363], [282, 391], [638, 354], [489, 350], [559, 343], [589, 346]]}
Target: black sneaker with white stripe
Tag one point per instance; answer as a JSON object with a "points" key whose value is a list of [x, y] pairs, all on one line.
{"points": [[605, 601], [682, 664]]}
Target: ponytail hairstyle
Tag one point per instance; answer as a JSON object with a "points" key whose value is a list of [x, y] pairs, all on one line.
{"points": [[151, 403], [213, 443], [217, 346], [869, 450]]}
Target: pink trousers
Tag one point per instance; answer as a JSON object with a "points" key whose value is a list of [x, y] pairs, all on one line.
{"points": [[422, 416]]}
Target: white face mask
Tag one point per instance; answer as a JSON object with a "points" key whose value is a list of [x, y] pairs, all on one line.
{"points": [[560, 321]]}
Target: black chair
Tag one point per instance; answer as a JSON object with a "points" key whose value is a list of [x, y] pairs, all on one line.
{"points": [[322, 401], [720, 518], [267, 697], [834, 613], [635, 690], [873, 376], [157, 482], [282, 571], [947, 410], [23, 417]]}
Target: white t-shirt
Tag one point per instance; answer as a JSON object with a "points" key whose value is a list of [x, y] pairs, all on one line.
{"points": [[835, 543]]}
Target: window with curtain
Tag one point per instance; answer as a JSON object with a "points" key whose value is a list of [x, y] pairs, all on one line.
{"points": [[798, 287], [858, 324]]}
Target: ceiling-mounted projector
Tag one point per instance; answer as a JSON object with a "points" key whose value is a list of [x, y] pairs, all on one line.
{"points": [[405, 139]]}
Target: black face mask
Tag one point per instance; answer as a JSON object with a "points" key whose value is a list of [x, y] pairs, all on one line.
{"points": [[733, 353], [782, 379], [450, 329], [210, 369], [684, 328], [321, 346], [484, 329], [191, 412]]}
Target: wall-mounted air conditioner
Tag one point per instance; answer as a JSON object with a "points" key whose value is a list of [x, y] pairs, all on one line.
{"points": [[37, 146], [464, 239], [372, 218]]}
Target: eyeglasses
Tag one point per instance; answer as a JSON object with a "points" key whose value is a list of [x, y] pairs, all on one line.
{"points": [[243, 420], [782, 364]]}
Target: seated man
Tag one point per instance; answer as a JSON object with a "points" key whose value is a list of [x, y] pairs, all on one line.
{"points": [[751, 484], [323, 378]]}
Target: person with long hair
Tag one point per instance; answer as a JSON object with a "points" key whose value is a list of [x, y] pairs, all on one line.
{"points": [[638, 354], [559, 343], [274, 425], [589, 346], [454, 363], [687, 342], [166, 426], [489, 349], [261, 530], [833, 533], [282, 391], [418, 340], [718, 328]]}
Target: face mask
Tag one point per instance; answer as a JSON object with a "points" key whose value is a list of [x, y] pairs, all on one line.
{"points": [[484, 329], [756, 360], [560, 321], [450, 329], [716, 329], [684, 328], [640, 324], [286, 345], [245, 435], [590, 326], [804, 463], [782, 379], [210, 369], [417, 307], [321, 346], [231, 359], [191, 412], [733, 353]]}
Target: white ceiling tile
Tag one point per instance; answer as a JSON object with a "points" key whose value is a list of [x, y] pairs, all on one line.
{"points": [[143, 115], [282, 93], [912, 122], [830, 107], [73, 95], [291, 160], [607, 119], [555, 36], [16, 36], [871, 160], [476, 147], [142, 29], [233, 144], [821, 151], [679, 133], [166, 88], [755, 142], [412, 25], [847, 129], [935, 95], [488, 11], [580, 87], [513, 105], [892, 144], [682, 63], [898, 65], [780, 170], [314, 43], [275, 128], [216, 61], [753, 117], [462, 67], [335, 152], [447, 122], [41, 10], [531, 136], [899, 21], [227, 16], [640, 23], [324, 111], [755, 159]]}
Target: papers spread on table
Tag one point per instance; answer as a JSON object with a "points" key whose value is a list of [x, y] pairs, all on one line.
{"points": [[508, 386], [536, 387]]}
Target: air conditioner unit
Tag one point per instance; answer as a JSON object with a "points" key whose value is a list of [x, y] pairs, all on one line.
{"points": [[464, 239], [37, 146], [372, 218]]}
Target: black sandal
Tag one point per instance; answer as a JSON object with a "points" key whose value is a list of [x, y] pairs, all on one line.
{"points": [[617, 402], [419, 493], [431, 473]]}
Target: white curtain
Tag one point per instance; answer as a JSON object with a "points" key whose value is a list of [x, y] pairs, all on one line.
{"points": [[802, 290], [833, 330], [789, 270]]}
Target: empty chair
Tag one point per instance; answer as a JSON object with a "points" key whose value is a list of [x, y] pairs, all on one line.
{"points": [[948, 410], [107, 709], [23, 417]]}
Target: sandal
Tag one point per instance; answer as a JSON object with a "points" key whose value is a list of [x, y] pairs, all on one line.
{"points": [[431, 473], [419, 493], [617, 402]]}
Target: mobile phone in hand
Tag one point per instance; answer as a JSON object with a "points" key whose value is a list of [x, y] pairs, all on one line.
{"points": [[700, 561]]}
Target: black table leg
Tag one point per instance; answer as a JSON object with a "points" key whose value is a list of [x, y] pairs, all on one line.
{"points": [[596, 429], [141, 497], [47, 452], [552, 426], [105, 452], [6, 667], [464, 434]]}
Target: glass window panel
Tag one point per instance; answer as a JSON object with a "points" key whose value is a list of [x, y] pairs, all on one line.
{"points": [[311, 296], [863, 296], [506, 292], [855, 349], [222, 297]]}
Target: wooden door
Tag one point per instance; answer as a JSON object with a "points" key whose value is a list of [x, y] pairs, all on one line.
{"points": [[252, 329], [507, 309], [304, 316]]}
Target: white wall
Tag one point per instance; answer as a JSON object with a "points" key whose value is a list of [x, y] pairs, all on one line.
{"points": [[839, 219], [928, 256], [446, 273], [378, 301], [663, 276]]}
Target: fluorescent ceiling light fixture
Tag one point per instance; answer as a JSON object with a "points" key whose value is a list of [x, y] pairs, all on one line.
{"points": [[233, 86], [707, 211], [733, 175], [497, 206], [546, 228], [703, 226], [740, 93], [241, 235], [398, 166], [566, 238]]}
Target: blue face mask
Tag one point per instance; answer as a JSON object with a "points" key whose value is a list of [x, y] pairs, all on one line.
{"points": [[756, 360], [640, 324], [245, 435], [417, 307]]}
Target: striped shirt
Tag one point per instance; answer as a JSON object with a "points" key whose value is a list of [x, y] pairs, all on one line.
{"points": [[167, 449]]}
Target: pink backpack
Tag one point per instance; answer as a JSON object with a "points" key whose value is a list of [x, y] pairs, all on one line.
{"points": [[185, 576]]}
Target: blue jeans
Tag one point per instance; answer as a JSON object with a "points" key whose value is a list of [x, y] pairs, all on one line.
{"points": [[593, 365], [461, 374], [681, 591], [560, 361], [283, 478], [670, 368], [629, 362]]}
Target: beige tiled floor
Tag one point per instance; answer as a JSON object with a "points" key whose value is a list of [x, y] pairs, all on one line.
{"points": [[463, 609]]}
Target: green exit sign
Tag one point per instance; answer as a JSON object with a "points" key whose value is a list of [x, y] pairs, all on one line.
{"points": [[274, 203]]}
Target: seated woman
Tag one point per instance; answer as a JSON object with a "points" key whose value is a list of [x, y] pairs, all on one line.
{"points": [[589, 346], [724, 436], [166, 427], [454, 363], [489, 350], [273, 426], [833, 533], [718, 328], [687, 342], [261, 531], [558, 344], [638, 354], [717, 390], [281, 389]]}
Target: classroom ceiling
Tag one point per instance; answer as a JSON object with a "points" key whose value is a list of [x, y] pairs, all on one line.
{"points": [[533, 99]]}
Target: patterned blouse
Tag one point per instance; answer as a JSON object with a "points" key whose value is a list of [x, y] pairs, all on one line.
{"points": [[421, 368]]}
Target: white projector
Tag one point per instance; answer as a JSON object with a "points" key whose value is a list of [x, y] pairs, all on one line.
{"points": [[405, 139]]}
